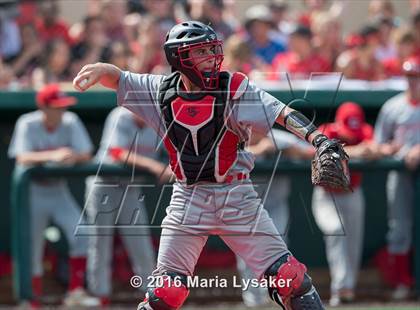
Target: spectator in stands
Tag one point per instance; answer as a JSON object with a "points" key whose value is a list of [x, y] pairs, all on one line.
{"points": [[211, 12], [10, 41], [28, 11], [92, 44], [314, 7], [259, 25], [6, 75], [382, 9], [405, 42], [214, 15], [119, 55], [327, 36], [49, 25], [132, 23], [416, 29], [149, 55], [414, 5], [113, 13], [239, 57], [55, 66], [280, 15], [311, 7], [386, 48], [163, 11], [30, 56], [230, 15], [302, 59], [359, 62]]}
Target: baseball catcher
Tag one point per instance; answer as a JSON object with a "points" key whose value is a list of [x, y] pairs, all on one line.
{"points": [[204, 117]]}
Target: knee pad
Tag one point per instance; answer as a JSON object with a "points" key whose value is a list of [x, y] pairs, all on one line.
{"points": [[290, 285], [170, 296]]}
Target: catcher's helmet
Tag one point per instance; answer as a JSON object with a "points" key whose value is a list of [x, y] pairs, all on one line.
{"points": [[411, 66], [184, 38]]}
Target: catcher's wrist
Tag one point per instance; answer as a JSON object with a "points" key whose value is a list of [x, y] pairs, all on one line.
{"points": [[317, 140]]}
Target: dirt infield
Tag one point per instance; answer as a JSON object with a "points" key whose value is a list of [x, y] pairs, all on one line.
{"points": [[370, 292], [411, 306], [225, 306]]}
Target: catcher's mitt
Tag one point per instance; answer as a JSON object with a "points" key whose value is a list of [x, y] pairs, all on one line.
{"points": [[330, 165]]}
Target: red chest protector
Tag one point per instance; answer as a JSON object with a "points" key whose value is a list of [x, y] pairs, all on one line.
{"points": [[200, 145]]}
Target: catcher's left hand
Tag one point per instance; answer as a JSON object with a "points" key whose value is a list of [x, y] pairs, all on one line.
{"points": [[330, 165]]}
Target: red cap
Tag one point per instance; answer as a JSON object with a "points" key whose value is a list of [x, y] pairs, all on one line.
{"points": [[354, 40], [350, 119], [51, 96], [412, 66]]}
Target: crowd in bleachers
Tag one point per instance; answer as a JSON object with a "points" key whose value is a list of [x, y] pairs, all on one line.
{"points": [[38, 46]]}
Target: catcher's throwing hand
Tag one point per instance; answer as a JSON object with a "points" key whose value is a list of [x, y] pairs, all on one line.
{"points": [[88, 76], [330, 164], [106, 74]]}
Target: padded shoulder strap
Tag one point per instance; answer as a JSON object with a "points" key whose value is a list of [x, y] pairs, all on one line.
{"points": [[237, 85], [168, 83]]}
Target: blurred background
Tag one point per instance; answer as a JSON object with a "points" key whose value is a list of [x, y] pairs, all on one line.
{"points": [[278, 43], [49, 41]]}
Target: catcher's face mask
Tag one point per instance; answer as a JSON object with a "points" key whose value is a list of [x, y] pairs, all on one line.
{"points": [[201, 63], [192, 48]]}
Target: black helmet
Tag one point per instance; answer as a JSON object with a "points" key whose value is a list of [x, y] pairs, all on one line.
{"points": [[185, 37]]}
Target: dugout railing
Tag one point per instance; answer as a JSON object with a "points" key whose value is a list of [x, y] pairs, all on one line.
{"points": [[105, 100], [20, 215]]}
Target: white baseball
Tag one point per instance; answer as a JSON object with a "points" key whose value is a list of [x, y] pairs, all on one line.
{"points": [[83, 83]]}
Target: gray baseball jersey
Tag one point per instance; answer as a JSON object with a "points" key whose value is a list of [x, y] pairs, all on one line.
{"points": [[51, 199], [233, 211], [31, 135], [120, 131], [399, 122], [255, 109]]}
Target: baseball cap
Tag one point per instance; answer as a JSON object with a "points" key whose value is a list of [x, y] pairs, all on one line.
{"points": [[353, 40], [301, 31], [369, 32], [278, 5], [259, 12], [411, 66], [51, 96], [350, 118]]}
